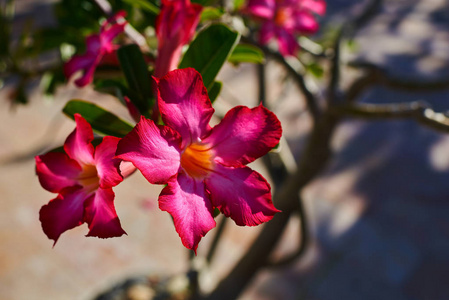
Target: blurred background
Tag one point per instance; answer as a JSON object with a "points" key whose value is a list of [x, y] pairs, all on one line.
{"points": [[378, 214]]}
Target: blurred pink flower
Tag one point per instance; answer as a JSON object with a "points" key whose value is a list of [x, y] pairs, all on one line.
{"points": [[175, 27], [83, 177], [282, 19], [203, 167], [99, 48]]}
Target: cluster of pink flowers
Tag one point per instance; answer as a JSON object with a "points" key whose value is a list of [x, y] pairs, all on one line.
{"points": [[282, 20], [203, 167]]}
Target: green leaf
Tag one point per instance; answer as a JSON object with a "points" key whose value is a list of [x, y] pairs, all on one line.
{"points": [[238, 4], [209, 51], [215, 91], [315, 69], [246, 53], [100, 119], [211, 13], [137, 76], [144, 5], [203, 2]]}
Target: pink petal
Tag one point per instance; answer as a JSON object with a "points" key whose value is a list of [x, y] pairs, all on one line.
{"points": [[186, 200], [56, 171], [101, 216], [242, 194], [78, 144], [266, 32], [63, 213], [111, 32], [78, 63], [261, 8], [93, 45], [316, 6], [175, 27], [306, 23], [243, 135], [184, 104], [132, 109], [89, 72], [154, 150], [107, 165], [126, 168], [288, 46]]}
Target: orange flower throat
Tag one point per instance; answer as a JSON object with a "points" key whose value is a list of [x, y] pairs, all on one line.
{"points": [[89, 178], [197, 160]]}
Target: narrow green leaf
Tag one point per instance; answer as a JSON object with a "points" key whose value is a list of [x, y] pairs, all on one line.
{"points": [[215, 91], [203, 2], [137, 76], [246, 53], [144, 5], [211, 13], [209, 51], [100, 119]]}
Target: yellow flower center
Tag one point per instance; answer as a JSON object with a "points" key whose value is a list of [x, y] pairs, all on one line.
{"points": [[197, 160], [89, 178]]}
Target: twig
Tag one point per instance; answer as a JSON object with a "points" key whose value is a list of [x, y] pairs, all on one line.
{"points": [[316, 156], [380, 76], [310, 97], [217, 237], [303, 239], [419, 111]]}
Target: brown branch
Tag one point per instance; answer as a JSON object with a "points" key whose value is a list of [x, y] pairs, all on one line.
{"points": [[310, 97], [303, 239], [419, 111], [381, 76], [315, 157]]}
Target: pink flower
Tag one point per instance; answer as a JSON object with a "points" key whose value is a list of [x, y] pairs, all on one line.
{"points": [[83, 177], [203, 167], [175, 27], [99, 48], [282, 19]]}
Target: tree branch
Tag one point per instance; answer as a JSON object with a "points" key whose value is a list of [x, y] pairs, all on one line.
{"points": [[419, 111], [310, 97], [303, 239]]}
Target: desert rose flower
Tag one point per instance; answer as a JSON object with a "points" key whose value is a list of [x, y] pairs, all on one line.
{"points": [[175, 27], [203, 167], [99, 48], [283, 19], [83, 177]]}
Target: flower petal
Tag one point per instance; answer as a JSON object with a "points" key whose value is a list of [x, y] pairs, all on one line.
{"points": [[78, 144], [288, 46], [107, 165], [242, 194], [243, 135], [186, 200], [305, 23], [101, 216], [266, 32], [184, 104], [261, 8], [316, 6], [63, 213], [78, 63], [56, 171], [154, 150]]}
